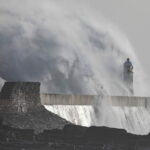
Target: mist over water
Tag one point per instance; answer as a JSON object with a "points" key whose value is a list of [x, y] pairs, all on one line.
{"points": [[69, 51]]}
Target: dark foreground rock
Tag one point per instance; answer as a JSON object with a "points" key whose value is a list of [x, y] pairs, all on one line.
{"points": [[71, 137], [37, 120]]}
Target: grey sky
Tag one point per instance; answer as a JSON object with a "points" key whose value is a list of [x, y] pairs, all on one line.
{"points": [[27, 26], [132, 17]]}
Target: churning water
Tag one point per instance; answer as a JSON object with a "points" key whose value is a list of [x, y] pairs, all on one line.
{"points": [[71, 52]]}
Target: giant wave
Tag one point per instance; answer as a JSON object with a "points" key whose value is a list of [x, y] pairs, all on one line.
{"points": [[71, 52]]}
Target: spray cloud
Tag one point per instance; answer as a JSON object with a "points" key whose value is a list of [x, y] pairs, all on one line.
{"points": [[67, 50]]}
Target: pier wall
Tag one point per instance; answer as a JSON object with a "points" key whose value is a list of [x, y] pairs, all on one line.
{"points": [[26, 96], [62, 99]]}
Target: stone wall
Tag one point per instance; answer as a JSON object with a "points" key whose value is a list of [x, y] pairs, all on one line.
{"points": [[20, 96], [26, 97]]}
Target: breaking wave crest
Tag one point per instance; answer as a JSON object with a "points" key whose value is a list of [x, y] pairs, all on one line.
{"points": [[70, 52]]}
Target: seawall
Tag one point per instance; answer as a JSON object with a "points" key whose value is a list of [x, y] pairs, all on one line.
{"points": [[21, 108], [23, 100], [72, 99], [26, 97], [26, 124], [20, 97]]}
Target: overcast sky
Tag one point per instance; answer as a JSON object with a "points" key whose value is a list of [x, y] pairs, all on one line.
{"points": [[133, 18], [130, 16]]}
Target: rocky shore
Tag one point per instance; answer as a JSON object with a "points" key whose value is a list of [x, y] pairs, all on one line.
{"points": [[71, 137]]}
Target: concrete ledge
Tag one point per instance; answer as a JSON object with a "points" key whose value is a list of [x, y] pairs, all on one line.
{"points": [[130, 101], [25, 96], [62, 99]]}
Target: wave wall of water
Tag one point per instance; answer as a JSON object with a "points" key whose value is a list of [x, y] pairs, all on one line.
{"points": [[69, 51]]}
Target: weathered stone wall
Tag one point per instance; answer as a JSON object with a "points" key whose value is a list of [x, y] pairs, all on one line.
{"points": [[20, 107], [25, 97], [20, 96]]}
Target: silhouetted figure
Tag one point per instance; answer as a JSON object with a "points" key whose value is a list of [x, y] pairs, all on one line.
{"points": [[128, 75]]}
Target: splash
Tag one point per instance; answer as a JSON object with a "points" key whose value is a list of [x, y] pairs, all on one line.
{"points": [[1, 82], [69, 52]]}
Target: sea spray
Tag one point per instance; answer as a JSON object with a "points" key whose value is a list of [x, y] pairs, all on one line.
{"points": [[69, 51]]}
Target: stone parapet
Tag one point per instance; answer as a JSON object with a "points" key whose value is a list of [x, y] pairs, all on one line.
{"points": [[20, 96]]}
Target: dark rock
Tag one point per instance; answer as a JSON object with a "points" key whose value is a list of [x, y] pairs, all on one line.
{"points": [[65, 139]]}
